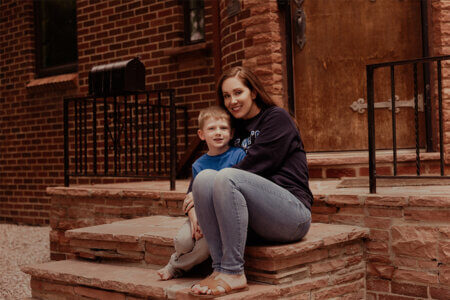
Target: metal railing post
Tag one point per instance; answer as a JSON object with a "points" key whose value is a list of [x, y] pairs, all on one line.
{"points": [[371, 120], [173, 142], [66, 142]]}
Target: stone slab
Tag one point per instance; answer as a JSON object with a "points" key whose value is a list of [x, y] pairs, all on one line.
{"points": [[129, 280], [319, 235], [131, 230]]}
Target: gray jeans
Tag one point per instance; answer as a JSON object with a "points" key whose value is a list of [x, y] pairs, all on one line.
{"points": [[229, 201], [188, 252]]}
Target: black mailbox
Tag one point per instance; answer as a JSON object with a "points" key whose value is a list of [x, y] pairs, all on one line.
{"points": [[117, 78]]}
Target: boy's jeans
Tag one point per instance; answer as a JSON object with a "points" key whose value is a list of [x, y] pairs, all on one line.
{"points": [[229, 201], [188, 252]]}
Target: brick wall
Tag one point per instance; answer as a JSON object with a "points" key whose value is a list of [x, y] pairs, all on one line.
{"points": [[407, 252], [31, 122]]}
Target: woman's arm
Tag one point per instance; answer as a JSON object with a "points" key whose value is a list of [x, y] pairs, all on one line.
{"points": [[277, 138]]}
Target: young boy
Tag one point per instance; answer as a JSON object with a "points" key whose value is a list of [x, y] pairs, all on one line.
{"points": [[190, 248]]}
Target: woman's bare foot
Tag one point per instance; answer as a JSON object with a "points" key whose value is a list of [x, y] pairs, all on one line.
{"points": [[165, 273], [236, 282]]}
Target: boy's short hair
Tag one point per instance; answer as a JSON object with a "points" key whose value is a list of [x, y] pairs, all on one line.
{"points": [[212, 112]]}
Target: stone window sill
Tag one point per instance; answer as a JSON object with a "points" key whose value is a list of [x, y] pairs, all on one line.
{"points": [[188, 49], [58, 82]]}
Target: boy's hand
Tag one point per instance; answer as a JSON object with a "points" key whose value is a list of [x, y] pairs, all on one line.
{"points": [[196, 232], [188, 203]]}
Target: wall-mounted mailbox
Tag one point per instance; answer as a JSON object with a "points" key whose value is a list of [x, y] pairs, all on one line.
{"points": [[117, 78]]}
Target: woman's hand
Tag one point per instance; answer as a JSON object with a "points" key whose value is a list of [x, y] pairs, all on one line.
{"points": [[188, 203], [195, 227]]}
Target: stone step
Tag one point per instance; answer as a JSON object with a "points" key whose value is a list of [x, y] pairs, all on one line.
{"points": [[149, 241], [72, 279], [69, 279]]}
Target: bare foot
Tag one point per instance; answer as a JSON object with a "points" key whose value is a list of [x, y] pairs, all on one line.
{"points": [[235, 282], [165, 273]]}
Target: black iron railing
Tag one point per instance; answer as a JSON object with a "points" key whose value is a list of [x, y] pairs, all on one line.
{"points": [[131, 135], [426, 63]]}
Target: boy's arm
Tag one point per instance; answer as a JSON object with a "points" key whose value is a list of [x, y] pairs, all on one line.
{"points": [[188, 203]]}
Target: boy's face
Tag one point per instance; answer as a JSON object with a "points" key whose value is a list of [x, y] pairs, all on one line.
{"points": [[217, 134]]}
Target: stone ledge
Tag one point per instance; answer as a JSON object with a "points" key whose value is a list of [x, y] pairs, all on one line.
{"points": [[430, 201], [362, 157], [64, 81], [69, 275], [151, 228], [71, 279], [319, 235]]}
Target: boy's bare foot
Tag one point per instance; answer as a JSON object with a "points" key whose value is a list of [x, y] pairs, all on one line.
{"points": [[165, 273]]}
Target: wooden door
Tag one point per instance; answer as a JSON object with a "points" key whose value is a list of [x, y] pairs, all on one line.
{"points": [[342, 36]]}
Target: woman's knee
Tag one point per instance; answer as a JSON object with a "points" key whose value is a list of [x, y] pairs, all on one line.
{"points": [[225, 177], [204, 179], [203, 184]]}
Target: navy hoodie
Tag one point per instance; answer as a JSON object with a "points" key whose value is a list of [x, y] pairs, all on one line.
{"points": [[275, 151]]}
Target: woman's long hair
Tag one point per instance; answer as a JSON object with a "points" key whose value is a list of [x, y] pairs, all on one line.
{"points": [[262, 100]]}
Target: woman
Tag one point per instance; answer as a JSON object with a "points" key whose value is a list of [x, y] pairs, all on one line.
{"points": [[266, 193]]}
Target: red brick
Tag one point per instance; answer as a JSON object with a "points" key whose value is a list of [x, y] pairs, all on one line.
{"points": [[415, 276], [409, 289], [440, 293], [385, 212], [340, 172], [46, 286], [393, 297], [378, 223], [98, 294], [343, 200], [327, 266], [378, 285], [338, 290], [324, 209], [380, 235], [427, 215]]}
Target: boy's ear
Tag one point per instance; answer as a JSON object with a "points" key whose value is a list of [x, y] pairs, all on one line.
{"points": [[201, 134], [232, 133]]}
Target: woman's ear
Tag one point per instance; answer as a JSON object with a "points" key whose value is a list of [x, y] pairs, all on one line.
{"points": [[253, 94], [201, 134]]}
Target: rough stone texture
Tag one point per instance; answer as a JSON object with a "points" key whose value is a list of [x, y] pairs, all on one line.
{"points": [[318, 236], [415, 241], [400, 248], [409, 236], [150, 240], [71, 279], [83, 206]]}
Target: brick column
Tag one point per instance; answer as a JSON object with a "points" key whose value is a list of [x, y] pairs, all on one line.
{"points": [[439, 28], [253, 38]]}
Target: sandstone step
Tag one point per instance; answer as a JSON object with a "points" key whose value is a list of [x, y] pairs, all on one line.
{"points": [[149, 240], [72, 279]]}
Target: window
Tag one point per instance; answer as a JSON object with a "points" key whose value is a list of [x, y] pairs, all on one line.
{"points": [[56, 37], [194, 21]]}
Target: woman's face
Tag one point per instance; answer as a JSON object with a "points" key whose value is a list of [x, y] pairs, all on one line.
{"points": [[239, 99]]}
